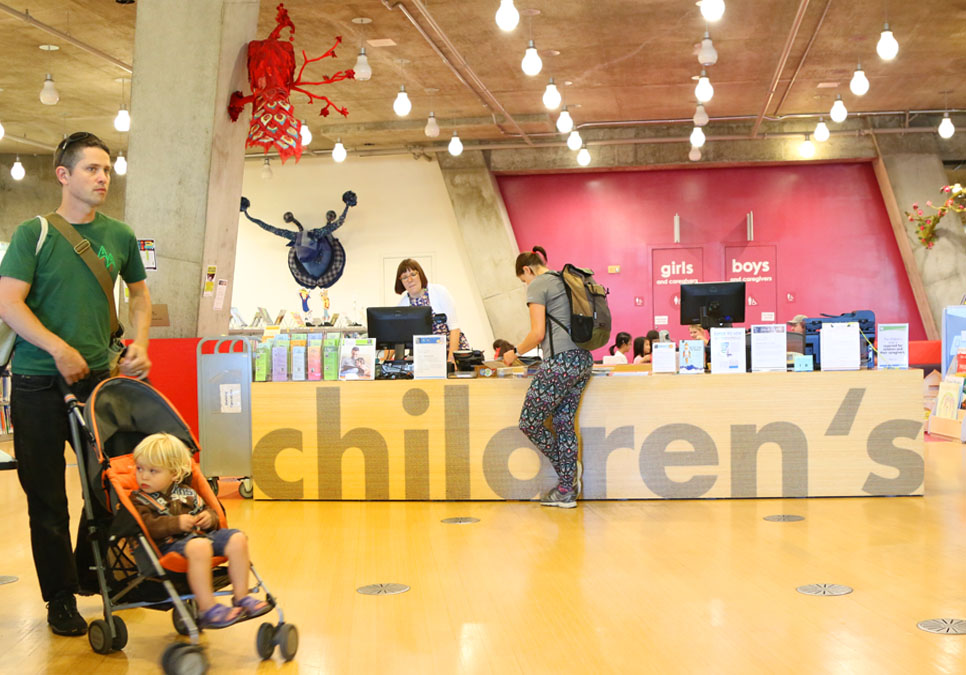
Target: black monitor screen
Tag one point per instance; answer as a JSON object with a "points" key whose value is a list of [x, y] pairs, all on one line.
{"points": [[715, 303], [394, 327]]}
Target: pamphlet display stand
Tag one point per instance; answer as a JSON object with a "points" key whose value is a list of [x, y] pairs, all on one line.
{"points": [[952, 430]]}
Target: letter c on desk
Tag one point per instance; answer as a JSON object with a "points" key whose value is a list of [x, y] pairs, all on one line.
{"points": [[264, 455]]}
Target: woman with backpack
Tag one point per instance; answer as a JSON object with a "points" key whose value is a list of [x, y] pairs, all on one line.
{"points": [[556, 388]]}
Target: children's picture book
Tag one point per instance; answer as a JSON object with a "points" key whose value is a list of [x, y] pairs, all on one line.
{"points": [[691, 353], [357, 359], [950, 393]]}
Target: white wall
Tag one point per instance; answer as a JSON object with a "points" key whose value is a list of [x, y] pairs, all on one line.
{"points": [[403, 211]]}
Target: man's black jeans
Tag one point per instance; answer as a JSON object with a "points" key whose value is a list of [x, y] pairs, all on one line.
{"points": [[40, 429]]}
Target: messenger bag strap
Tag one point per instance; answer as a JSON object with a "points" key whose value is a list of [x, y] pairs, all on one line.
{"points": [[82, 247]]}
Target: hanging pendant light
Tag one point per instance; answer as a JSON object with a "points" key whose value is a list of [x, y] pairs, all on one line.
{"points": [[1, 131], [551, 96], [707, 54], [574, 141], [887, 47], [838, 113], [703, 91], [583, 157], [946, 128], [432, 126], [712, 10], [120, 164], [697, 137], [860, 83], [821, 130], [531, 63], [338, 152], [402, 105], [694, 154], [362, 69], [122, 121], [565, 123], [267, 169], [807, 148], [17, 171], [455, 145], [700, 118], [305, 134], [48, 93], [507, 16]]}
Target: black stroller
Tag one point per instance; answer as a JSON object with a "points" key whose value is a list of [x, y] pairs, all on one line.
{"points": [[131, 571]]}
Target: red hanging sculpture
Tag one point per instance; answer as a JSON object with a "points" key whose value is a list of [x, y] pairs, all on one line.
{"points": [[271, 66]]}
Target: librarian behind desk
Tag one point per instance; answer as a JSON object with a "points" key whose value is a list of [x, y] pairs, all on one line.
{"points": [[821, 434]]}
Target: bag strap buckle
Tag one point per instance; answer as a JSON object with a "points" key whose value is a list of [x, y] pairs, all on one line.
{"points": [[82, 246]]}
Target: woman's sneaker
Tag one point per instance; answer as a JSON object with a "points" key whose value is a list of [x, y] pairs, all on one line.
{"points": [[63, 617], [565, 500], [578, 484]]}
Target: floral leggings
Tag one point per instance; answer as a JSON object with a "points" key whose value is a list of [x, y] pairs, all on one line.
{"points": [[555, 392]]}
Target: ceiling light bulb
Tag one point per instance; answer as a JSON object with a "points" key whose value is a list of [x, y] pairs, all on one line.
{"points": [[946, 128], [531, 63], [17, 171], [807, 148], [703, 91], [432, 126], [821, 130], [120, 164], [48, 93], [697, 137], [695, 154], [362, 69], [712, 10], [887, 48], [574, 141], [583, 157], [507, 16], [402, 105], [122, 121], [305, 133], [565, 122], [838, 113], [455, 145], [338, 152], [700, 116], [1, 131], [551, 96], [267, 169], [707, 55], [860, 83]]}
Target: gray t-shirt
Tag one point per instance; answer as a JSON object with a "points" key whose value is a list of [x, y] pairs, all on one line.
{"points": [[548, 290]]}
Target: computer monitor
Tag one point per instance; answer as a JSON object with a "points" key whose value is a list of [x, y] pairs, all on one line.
{"points": [[394, 327], [714, 303]]}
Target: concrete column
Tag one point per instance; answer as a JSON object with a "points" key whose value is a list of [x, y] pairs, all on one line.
{"points": [[186, 156], [490, 244]]}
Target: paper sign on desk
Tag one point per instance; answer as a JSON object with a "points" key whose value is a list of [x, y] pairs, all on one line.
{"points": [[429, 357], [893, 345], [768, 348], [727, 350], [663, 357], [839, 344], [803, 363]]}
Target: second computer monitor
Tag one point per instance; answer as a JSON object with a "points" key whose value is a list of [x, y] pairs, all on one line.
{"points": [[394, 327], [713, 303]]}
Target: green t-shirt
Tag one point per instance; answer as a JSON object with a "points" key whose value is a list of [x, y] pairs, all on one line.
{"points": [[64, 293]]}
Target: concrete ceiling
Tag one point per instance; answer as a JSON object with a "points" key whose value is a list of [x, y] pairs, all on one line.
{"points": [[618, 61]]}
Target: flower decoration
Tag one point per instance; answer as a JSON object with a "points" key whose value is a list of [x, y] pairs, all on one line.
{"points": [[926, 224]]}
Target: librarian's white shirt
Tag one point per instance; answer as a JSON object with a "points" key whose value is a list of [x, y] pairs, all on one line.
{"points": [[441, 302]]}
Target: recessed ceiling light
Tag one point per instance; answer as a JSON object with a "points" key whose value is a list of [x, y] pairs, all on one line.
{"points": [[362, 20], [575, 105], [401, 61], [550, 52], [49, 48], [827, 85], [529, 12], [431, 90], [382, 42], [122, 80], [695, 77], [568, 83]]}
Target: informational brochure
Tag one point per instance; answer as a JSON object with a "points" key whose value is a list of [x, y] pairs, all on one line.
{"points": [[691, 354], [727, 350], [664, 358], [429, 357], [893, 345], [839, 346], [357, 359], [768, 348]]}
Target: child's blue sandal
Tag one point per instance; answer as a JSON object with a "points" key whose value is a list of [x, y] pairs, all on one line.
{"points": [[252, 606], [219, 616]]}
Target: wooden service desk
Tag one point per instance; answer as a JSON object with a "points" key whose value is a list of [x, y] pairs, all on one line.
{"points": [[816, 434]]}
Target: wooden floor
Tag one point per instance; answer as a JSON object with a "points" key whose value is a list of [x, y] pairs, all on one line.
{"points": [[611, 587]]}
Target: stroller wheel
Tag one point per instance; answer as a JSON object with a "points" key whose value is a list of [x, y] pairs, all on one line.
{"points": [[99, 635], [184, 659], [246, 489], [287, 639], [179, 624], [265, 641], [120, 633]]}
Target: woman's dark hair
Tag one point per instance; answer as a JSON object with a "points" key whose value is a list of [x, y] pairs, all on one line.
{"points": [[409, 265], [639, 346], [532, 258], [621, 340], [501, 346]]}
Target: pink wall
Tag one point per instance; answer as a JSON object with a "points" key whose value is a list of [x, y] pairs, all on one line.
{"points": [[835, 247]]}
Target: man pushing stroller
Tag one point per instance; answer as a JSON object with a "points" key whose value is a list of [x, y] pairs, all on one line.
{"points": [[179, 521]]}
